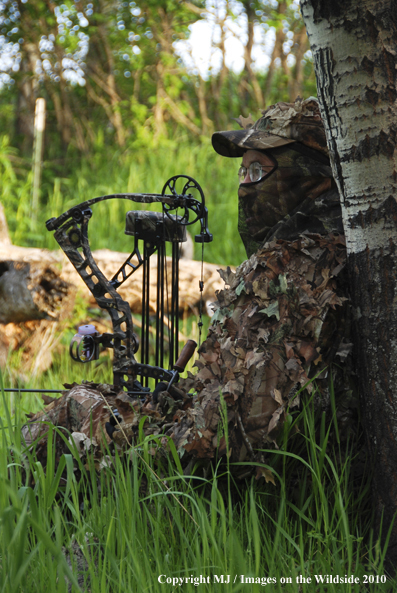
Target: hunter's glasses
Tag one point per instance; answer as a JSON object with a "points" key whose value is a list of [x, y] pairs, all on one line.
{"points": [[256, 172]]}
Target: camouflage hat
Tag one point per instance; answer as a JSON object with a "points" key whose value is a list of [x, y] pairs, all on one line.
{"points": [[280, 124]]}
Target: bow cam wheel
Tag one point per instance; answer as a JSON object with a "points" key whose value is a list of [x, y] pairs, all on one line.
{"points": [[188, 196]]}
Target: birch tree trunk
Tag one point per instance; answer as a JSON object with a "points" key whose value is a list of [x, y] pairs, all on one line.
{"points": [[354, 50]]}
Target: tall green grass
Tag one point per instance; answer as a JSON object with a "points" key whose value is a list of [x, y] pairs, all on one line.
{"points": [[122, 528], [136, 170]]}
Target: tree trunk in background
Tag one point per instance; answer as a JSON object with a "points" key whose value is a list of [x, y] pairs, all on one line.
{"points": [[158, 109], [207, 125], [218, 80], [101, 81], [5, 239], [27, 94], [111, 87], [295, 82], [249, 73], [354, 50], [277, 52]]}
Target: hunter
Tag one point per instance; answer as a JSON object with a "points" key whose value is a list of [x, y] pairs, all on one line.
{"points": [[282, 319]]}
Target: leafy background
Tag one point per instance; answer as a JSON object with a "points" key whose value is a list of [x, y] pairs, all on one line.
{"points": [[128, 104]]}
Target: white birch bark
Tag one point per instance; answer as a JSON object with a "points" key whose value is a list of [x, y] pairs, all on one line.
{"points": [[354, 45], [356, 79]]}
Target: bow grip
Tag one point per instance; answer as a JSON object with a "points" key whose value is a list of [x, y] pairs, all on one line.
{"points": [[185, 355]]}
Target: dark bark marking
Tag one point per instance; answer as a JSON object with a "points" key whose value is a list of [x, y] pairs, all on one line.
{"points": [[388, 17], [381, 144], [372, 97], [324, 9], [388, 295], [324, 63], [368, 301], [351, 25], [388, 495], [372, 28], [362, 220], [383, 331], [389, 61], [374, 352], [367, 65], [4, 267], [391, 94], [387, 142], [387, 211]]}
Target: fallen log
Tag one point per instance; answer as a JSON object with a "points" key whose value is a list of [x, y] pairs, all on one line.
{"points": [[35, 303], [110, 262], [31, 291]]}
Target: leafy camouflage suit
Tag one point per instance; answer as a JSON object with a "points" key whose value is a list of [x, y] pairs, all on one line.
{"points": [[281, 319], [283, 316]]}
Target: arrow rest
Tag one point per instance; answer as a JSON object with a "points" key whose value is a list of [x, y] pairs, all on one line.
{"points": [[183, 204]]}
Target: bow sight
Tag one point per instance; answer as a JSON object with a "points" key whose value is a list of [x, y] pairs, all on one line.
{"points": [[151, 231]]}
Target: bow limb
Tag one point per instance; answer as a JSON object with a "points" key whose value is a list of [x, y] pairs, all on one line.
{"points": [[72, 237], [174, 201]]}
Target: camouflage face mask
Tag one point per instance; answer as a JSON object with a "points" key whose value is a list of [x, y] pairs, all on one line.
{"points": [[264, 203]]}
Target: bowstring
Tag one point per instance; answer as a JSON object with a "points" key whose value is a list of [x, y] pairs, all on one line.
{"points": [[201, 287], [166, 283]]}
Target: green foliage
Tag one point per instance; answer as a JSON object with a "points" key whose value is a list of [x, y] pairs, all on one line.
{"points": [[139, 169], [123, 112], [121, 529], [91, 61]]}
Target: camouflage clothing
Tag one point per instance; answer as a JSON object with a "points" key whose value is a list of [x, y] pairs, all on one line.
{"points": [[277, 323], [286, 200], [297, 179], [280, 124], [85, 423]]}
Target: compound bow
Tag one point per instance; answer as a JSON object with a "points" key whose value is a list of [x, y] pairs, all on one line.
{"points": [[154, 229]]}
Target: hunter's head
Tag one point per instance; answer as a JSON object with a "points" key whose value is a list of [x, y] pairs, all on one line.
{"points": [[284, 160]]}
